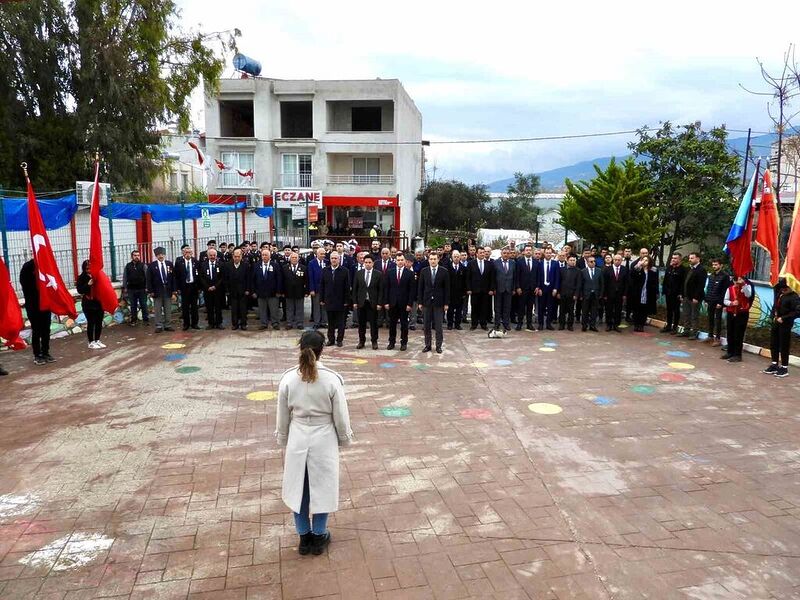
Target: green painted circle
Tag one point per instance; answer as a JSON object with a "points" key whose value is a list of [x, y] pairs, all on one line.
{"points": [[643, 389], [187, 370], [395, 412]]}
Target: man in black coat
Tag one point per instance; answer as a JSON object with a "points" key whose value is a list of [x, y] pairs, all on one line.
{"points": [[40, 319], [295, 288], [187, 280], [458, 291], [568, 293], [211, 274], [615, 290], [504, 286], [400, 294], [367, 300], [590, 290], [335, 298], [433, 293], [266, 286], [479, 289], [694, 291], [161, 287], [718, 283], [237, 282], [210, 245], [134, 287], [672, 288], [527, 269]]}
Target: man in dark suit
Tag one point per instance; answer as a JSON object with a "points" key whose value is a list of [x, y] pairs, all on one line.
{"points": [[367, 299], [433, 294], [210, 245], [237, 282], [211, 273], [40, 319], [548, 277], [569, 281], [504, 286], [266, 285], [479, 289], [187, 280], [400, 292], [161, 287], [528, 269], [694, 292], [316, 264], [458, 291], [335, 298], [384, 264], [615, 290], [672, 288], [590, 290], [295, 289]]}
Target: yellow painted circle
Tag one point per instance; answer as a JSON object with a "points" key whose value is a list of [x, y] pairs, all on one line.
{"points": [[173, 346], [546, 349], [360, 361], [544, 408], [682, 366], [261, 396], [479, 365]]}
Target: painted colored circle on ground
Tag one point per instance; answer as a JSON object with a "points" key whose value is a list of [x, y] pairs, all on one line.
{"points": [[395, 412], [679, 354], [544, 408], [502, 362], [623, 325], [480, 414], [359, 361], [261, 396], [546, 349], [523, 358], [388, 365], [643, 389], [664, 343], [174, 357], [551, 344], [672, 378], [604, 400], [187, 370], [643, 334], [681, 366], [173, 346], [479, 365], [421, 367]]}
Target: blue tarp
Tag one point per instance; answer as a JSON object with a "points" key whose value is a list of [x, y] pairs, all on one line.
{"points": [[123, 211], [56, 212], [263, 212], [161, 213]]}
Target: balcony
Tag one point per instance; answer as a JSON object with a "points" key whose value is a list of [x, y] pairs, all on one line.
{"points": [[296, 180], [361, 179]]}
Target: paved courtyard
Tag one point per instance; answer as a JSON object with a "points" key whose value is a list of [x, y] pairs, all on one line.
{"points": [[150, 471]]}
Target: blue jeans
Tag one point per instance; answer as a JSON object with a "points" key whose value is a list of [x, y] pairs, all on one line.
{"points": [[319, 522], [138, 299]]}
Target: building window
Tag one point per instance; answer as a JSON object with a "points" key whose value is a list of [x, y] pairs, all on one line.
{"points": [[185, 181], [297, 120], [296, 170], [236, 118], [237, 161], [366, 169], [366, 118], [173, 181]]}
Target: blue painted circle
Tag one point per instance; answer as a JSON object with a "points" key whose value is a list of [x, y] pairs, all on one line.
{"points": [[551, 344], [502, 362], [604, 401], [388, 365], [174, 357], [679, 353]]}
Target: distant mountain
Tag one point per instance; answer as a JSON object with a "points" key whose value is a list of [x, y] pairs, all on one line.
{"points": [[553, 180]]}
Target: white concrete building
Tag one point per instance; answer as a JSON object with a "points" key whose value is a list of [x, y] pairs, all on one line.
{"points": [[353, 148]]}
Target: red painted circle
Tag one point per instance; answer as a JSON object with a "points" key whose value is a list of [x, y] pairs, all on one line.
{"points": [[481, 414], [672, 377]]}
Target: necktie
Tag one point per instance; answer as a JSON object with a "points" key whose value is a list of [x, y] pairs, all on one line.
{"points": [[367, 278], [189, 271], [529, 264], [433, 275], [399, 273], [505, 266], [546, 272], [616, 272], [163, 273], [212, 270], [591, 273], [480, 266], [294, 269], [263, 269]]}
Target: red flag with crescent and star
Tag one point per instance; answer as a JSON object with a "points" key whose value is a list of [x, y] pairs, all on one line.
{"points": [[53, 294], [10, 312], [102, 290]]}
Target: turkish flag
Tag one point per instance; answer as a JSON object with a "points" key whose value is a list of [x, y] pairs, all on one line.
{"points": [[53, 294], [10, 312], [102, 290], [767, 231]]}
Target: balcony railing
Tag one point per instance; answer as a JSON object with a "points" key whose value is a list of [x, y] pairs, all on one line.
{"points": [[296, 180], [361, 179]]}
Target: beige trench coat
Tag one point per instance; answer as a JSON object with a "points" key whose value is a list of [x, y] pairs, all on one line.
{"points": [[312, 421]]}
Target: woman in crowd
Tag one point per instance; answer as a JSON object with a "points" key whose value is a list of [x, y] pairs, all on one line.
{"points": [[312, 422], [644, 291], [91, 308]]}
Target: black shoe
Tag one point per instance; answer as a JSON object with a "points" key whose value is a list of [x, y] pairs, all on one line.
{"points": [[220, 326], [169, 329], [412, 327], [561, 327], [329, 343], [773, 368], [3, 372], [159, 330], [403, 347], [458, 328], [360, 345], [339, 344], [39, 360], [276, 326], [243, 327], [426, 349], [320, 542], [735, 359], [471, 327], [782, 372], [390, 347], [569, 328], [195, 327], [608, 328], [674, 331], [593, 329], [438, 349], [263, 327], [185, 328], [532, 328], [617, 329], [550, 327], [49, 359], [375, 346], [306, 541], [211, 327], [726, 356], [518, 328], [584, 328], [449, 328], [484, 327]]}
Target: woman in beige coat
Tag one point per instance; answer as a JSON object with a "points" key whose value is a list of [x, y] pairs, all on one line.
{"points": [[312, 422]]}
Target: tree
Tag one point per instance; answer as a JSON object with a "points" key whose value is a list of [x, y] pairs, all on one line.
{"points": [[613, 208], [455, 205], [96, 75], [694, 178], [518, 209]]}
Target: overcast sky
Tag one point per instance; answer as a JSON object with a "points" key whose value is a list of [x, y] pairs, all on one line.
{"points": [[523, 69]]}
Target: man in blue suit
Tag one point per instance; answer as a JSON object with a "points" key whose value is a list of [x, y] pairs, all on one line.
{"points": [[335, 292], [549, 280], [267, 286], [528, 268], [504, 286], [401, 291], [161, 287], [315, 267], [433, 294]]}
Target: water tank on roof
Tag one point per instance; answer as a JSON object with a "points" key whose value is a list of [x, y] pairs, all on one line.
{"points": [[246, 64]]}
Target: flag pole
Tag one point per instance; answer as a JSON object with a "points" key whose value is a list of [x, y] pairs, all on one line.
{"points": [[746, 158]]}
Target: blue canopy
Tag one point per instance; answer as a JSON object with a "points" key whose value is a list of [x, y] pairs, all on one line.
{"points": [[161, 213], [56, 212], [263, 212]]}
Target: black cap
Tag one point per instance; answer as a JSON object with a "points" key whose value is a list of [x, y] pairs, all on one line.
{"points": [[210, 242]]}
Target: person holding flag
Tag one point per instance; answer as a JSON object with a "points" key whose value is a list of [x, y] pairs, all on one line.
{"points": [[101, 291], [92, 308], [42, 285], [737, 245], [767, 230], [10, 314]]}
